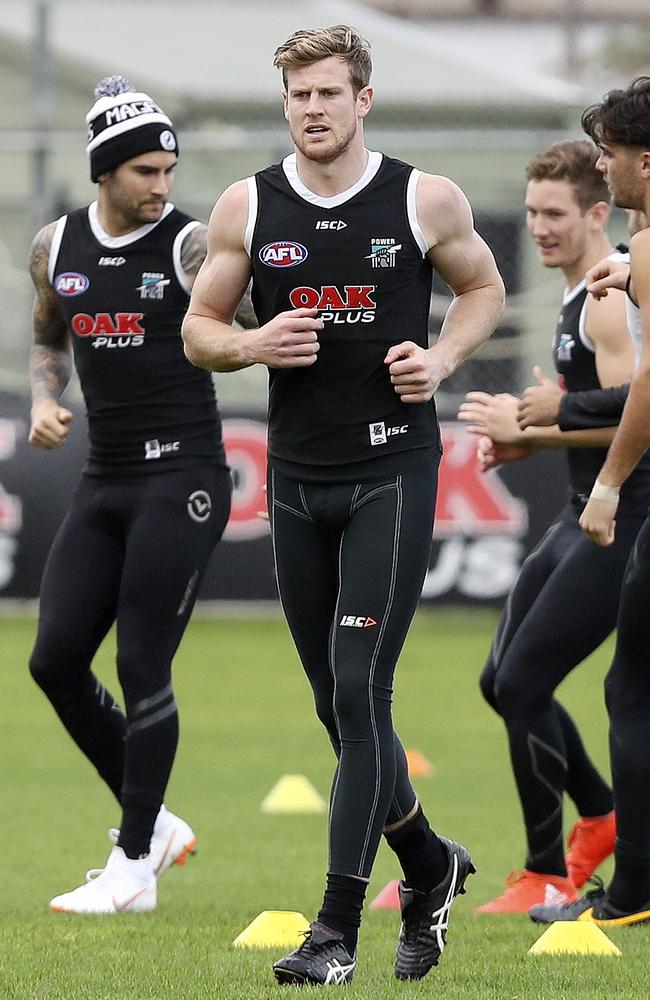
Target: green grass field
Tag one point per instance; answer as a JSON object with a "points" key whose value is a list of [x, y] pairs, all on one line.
{"points": [[246, 719]]}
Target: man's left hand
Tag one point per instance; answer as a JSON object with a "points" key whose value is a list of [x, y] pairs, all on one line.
{"points": [[495, 416], [415, 372]]}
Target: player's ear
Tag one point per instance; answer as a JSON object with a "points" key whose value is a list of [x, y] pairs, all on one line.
{"points": [[285, 102], [364, 101], [645, 164]]}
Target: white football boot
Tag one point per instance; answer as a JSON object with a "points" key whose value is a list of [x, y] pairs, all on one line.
{"points": [[123, 886], [172, 841]]}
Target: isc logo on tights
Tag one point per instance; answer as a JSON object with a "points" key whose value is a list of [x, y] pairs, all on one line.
{"points": [[283, 253], [357, 621]]}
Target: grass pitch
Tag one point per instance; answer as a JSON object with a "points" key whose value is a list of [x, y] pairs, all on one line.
{"points": [[246, 719]]}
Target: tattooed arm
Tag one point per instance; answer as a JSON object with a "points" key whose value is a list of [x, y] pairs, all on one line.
{"points": [[193, 254], [50, 363]]}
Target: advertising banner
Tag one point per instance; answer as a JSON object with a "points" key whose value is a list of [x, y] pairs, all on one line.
{"points": [[485, 524]]}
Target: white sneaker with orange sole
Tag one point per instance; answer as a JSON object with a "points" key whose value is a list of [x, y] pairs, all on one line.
{"points": [[123, 886]]}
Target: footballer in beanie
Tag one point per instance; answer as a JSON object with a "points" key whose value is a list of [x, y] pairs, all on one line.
{"points": [[124, 124]]}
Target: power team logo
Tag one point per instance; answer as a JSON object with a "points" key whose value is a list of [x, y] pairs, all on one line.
{"points": [[119, 330], [351, 304], [383, 252], [565, 347], [283, 253], [71, 283], [153, 285]]}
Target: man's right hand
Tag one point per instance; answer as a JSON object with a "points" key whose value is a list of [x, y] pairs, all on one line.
{"points": [[50, 424], [289, 340], [606, 274]]}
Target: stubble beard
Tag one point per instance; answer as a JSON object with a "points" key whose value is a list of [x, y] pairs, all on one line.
{"points": [[323, 152]]}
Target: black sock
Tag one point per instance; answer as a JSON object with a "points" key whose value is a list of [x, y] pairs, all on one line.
{"points": [[342, 905], [421, 854]]}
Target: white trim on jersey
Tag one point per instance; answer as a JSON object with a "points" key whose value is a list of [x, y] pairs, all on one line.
{"points": [[177, 246], [291, 173], [582, 327], [571, 293], [252, 214], [56, 246], [116, 242], [412, 212]]}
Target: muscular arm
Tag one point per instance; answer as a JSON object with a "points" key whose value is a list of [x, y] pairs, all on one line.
{"points": [[193, 253], [288, 341], [465, 262], [50, 361], [633, 435]]}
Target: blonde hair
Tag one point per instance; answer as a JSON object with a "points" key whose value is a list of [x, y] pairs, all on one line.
{"points": [[309, 45]]}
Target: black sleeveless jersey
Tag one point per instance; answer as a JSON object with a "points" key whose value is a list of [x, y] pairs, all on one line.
{"points": [[124, 299], [575, 361], [360, 259]]}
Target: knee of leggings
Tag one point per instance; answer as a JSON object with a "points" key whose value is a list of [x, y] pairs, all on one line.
{"points": [[487, 684], [55, 660], [325, 714], [513, 699]]}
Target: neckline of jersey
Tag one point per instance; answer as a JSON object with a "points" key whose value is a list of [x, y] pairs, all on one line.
{"points": [[291, 173], [571, 293], [115, 242]]}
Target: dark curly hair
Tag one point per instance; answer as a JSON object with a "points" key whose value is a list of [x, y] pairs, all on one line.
{"points": [[622, 117]]}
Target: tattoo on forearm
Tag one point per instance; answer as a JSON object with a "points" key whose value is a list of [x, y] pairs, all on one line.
{"points": [[49, 372], [50, 363], [245, 314], [193, 251]]}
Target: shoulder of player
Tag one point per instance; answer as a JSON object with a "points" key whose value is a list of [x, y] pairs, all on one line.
{"points": [[640, 258], [606, 317], [39, 253], [442, 207], [229, 216]]}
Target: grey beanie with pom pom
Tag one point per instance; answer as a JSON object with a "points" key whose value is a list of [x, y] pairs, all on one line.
{"points": [[123, 123]]}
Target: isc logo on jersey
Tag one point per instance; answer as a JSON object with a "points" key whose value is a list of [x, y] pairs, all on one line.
{"points": [[71, 283], [352, 304], [283, 253], [123, 329]]}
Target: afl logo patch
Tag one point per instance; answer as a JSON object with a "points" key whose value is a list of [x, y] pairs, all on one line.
{"points": [[199, 506], [283, 253], [168, 140], [71, 283]]}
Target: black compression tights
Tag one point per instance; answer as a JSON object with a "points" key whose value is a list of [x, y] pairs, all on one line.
{"points": [[562, 606], [128, 551], [350, 563]]}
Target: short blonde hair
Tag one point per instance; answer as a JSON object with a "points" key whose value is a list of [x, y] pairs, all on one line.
{"points": [[309, 45]]}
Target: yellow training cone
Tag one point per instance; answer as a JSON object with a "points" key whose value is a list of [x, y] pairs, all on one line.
{"points": [[573, 937], [273, 928], [293, 794]]}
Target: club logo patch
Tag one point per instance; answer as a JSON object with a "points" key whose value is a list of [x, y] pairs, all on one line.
{"points": [[71, 283], [283, 253], [199, 506], [168, 141], [383, 252], [153, 285]]}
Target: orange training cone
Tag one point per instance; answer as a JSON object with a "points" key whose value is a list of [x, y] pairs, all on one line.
{"points": [[388, 898], [419, 766]]}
